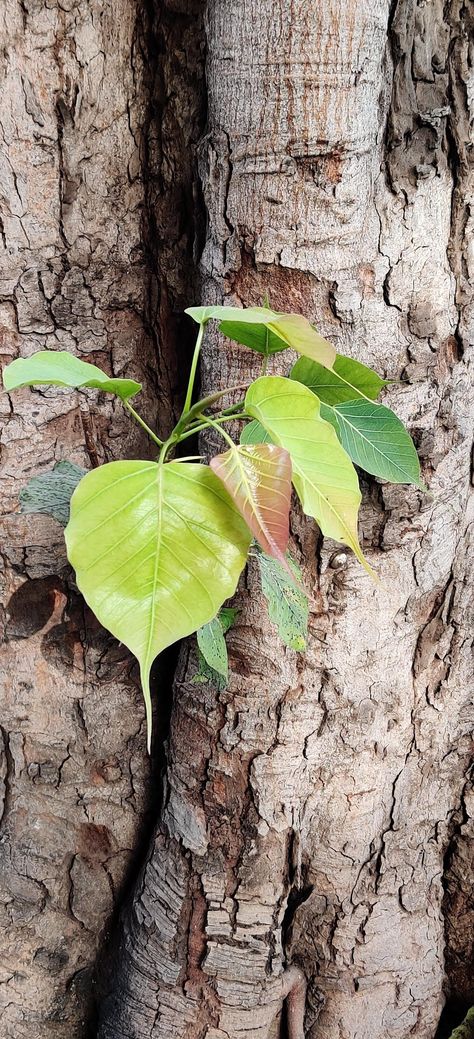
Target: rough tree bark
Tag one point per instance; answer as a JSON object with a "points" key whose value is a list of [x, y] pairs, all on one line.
{"points": [[317, 810], [97, 229]]}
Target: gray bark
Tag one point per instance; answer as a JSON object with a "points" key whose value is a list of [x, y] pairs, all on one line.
{"points": [[91, 208], [311, 806]]}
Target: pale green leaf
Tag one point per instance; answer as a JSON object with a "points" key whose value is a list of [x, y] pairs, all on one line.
{"points": [[287, 603], [268, 331], [211, 642], [59, 368], [254, 433], [323, 474], [156, 549], [50, 493], [376, 440], [346, 380]]}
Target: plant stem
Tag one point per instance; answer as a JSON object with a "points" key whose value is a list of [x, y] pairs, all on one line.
{"points": [[192, 374], [141, 423], [215, 425], [205, 423]]}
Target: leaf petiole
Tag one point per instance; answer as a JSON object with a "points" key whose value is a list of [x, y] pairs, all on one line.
{"points": [[142, 423]]}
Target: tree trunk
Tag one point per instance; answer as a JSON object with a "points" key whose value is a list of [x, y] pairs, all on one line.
{"points": [[89, 198], [317, 812], [310, 806]]}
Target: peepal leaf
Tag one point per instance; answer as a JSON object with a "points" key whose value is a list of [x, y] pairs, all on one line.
{"points": [[206, 673], [346, 380], [156, 549], [60, 368], [376, 440], [50, 493], [323, 475], [258, 479], [287, 603], [254, 433], [267, 331], [211, 642]]}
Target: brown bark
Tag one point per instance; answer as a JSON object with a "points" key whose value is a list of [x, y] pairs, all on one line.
{"points": [[310, 807], [93, 207]]}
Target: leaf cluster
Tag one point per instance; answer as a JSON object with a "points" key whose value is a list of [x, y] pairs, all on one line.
{"points": [[158, 546]]}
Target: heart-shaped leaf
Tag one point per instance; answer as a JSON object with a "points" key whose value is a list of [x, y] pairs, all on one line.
{"points": [[59, 368], [376, 440], [323, 475], [346, 380], [156, 549], [267, 331], [258, 479]]}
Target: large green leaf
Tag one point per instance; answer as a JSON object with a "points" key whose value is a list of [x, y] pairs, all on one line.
{"points": [[287, 603], [376, 440], [324, 477], [346, 380], [59, 368], [50, 493], [156, 549], [258, 479], [267, 331]]}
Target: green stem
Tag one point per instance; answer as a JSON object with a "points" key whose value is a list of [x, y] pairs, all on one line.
{"points": [[192, 374], [205, 423], [215, 425], [141, 423]]}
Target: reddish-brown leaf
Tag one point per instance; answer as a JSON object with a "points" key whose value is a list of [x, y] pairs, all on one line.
{"points": [[258, 478]]}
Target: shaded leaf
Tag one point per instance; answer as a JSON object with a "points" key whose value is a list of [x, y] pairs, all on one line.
{"points": [[466, 1029], [258, 479], [156, 549], [287, 603], [59, 368], [346, 380], [205, 673], [211, 642], [254, 433], [323, 474], [50, 493], [267, 331], [376, 440]]}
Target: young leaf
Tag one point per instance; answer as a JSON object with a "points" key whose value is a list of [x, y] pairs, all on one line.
{"points": [[50, 493], [254, 433], [211, 642], [267, 331], [156, 549], [346, 380], [376, 440], [258, 479], [59, 368], [323, 475], [287, 603]]}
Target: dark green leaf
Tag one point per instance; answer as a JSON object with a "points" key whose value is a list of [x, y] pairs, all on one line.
{"points": [[255, 433], [466, 1029], [376, 440], [346, 380], [50, 493]]}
